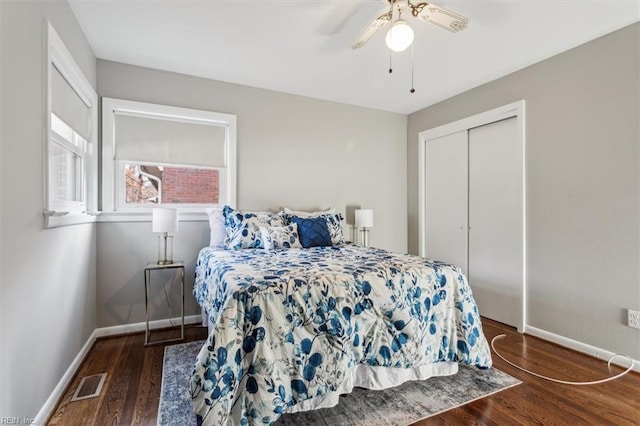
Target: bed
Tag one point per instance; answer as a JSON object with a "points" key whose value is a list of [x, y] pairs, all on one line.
{"points": [[297, 317], [292, 329]]}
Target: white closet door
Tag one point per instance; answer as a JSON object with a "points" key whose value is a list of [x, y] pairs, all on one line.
{"points": [[446, 199], [496, 221]]}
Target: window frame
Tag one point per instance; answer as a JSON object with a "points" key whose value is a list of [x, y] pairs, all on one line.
{"points": [[65, 212], [113, 206]]}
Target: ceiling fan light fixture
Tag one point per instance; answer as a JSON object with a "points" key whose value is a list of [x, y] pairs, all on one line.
{"points": [[400, 36]]}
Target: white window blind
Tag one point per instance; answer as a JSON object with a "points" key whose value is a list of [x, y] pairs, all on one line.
{"points": [[68, 106], [161, 140]]}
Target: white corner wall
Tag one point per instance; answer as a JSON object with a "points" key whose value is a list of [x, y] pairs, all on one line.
{"points": [[292, 151], [582, 185], [48, 275]]}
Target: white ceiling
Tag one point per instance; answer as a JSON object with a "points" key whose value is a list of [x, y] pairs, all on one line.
{"points": [[302, 46]]}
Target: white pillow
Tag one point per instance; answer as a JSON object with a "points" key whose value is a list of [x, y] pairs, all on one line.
{"points": [[280, 237], [309, 214], [216, 225]]}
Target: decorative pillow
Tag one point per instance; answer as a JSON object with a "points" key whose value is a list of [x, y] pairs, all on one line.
{"points": [[309, 214], [216, 226], [280, 237], [313, 231], [243, 228], [334, 221]]}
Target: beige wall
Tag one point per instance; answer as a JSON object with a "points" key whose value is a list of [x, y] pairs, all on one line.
{"points": [[292, 151], [582, 185], [48, 275]]}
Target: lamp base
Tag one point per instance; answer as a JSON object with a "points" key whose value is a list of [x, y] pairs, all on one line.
{"points": [[165, 249], [365, 237]]}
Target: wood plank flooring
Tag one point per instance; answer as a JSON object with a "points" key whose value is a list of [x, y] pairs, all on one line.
{"points": [[131, 392]]}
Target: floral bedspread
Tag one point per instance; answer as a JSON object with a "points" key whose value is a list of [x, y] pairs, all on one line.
{"points": [[290, 324]]}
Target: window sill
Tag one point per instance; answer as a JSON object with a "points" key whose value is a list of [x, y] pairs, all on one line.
{"points": [[146, 217], [68, 219]]}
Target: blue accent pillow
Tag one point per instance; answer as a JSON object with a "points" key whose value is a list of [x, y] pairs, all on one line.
{"points": [[313, 231], [334, 223]]}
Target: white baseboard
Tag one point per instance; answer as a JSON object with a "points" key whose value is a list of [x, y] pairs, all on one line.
{"points": [[581, 347], [47, 409], [58, 391], [141, 326]]}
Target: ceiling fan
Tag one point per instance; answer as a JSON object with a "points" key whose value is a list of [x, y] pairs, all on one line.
{"points": [[400, 36]]}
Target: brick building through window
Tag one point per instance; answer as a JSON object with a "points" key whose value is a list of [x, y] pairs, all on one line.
{"points": [[171, 185]]}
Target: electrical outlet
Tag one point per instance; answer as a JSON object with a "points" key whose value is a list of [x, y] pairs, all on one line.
{"points": [[633, 318]]}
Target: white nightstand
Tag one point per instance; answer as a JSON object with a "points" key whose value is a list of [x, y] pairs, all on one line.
{"points": [[147, 282]]}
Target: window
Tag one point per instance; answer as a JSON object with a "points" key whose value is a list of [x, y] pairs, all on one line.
{"points": [[71, 137], [162, 155]]}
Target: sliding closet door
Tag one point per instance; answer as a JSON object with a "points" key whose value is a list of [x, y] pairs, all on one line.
{"points": [[446, 199], [496, 220]]}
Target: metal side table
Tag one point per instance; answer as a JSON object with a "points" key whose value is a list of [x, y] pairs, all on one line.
{"points": [[147, 283]]}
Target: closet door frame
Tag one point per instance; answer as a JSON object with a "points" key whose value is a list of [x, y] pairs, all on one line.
{"points": [[515, 109]]}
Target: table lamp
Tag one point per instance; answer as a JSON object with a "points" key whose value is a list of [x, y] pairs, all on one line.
{"points": [[364, 222], [165, 220]]}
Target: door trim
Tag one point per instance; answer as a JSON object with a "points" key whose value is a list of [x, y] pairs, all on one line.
{"points": [[515, 109]]}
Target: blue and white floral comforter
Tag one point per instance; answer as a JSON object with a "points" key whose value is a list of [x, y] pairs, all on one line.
{"points": [[289, 325]]}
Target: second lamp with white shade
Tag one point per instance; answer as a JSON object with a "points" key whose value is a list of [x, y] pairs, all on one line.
{"points": [[364, 222]]}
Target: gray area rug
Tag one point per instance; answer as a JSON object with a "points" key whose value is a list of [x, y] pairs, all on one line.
{"points": [[401, 405]]}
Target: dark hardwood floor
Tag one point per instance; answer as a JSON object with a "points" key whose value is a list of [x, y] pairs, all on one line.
{"points": [[132, 389]]}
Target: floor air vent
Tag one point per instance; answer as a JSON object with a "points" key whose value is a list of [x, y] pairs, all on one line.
{"points": [[89, 387]]}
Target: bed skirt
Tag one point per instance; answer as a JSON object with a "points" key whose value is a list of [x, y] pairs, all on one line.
{"points": [[375, 378]]}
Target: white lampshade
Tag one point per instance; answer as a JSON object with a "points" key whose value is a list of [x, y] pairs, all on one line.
{"points": [[400, 36], [364, 218], [164, 220]]}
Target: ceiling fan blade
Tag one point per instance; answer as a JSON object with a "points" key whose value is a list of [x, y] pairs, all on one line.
{"points": [[373, 27], [439, 17]]}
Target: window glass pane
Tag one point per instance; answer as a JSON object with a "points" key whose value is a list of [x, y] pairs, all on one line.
{"points": [[61, 128], [66, 174], [141, 186], [150, 184], [67, 133]]}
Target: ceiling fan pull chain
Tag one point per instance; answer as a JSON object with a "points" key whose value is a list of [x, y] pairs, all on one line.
{"points": [[413, 90], [390, 67]]}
